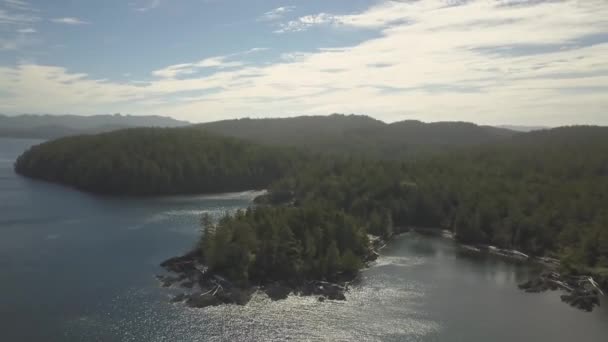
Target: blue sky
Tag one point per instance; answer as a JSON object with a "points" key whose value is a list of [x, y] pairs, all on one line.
{"points": [[524, 62]]}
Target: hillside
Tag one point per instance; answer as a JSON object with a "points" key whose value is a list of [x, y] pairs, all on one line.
{"points": [[55, 126], [544, 193], [151, 161], [358, 134]]}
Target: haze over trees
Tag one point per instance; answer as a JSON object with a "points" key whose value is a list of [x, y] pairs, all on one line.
{"points": [[152, 161], [55, 126], [359, 134], [542, 192]]}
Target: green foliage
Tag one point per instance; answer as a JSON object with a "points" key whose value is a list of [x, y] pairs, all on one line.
{"points": [[285, 244], [544, 193], [149, 161], [358, 134]]}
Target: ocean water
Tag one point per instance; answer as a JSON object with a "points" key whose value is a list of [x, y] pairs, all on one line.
{"points": [[79, 267]]}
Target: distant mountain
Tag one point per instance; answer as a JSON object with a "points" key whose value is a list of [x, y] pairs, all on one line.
{"points": [[299, 130], [358, 133], [54, 126], [523, 128]]}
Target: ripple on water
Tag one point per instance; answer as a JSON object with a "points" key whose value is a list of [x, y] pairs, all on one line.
{"points": [[375, 310]]}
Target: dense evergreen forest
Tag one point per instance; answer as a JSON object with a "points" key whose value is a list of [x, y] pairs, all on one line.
{"points": [[359, 135], [151, 161], [543, 192], [284, 244]]}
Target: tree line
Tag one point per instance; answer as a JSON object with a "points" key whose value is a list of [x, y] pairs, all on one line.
{"points": [[153, 161], [543, 193]]}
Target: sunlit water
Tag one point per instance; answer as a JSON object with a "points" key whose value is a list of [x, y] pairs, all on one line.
{"points": [[77, 267]]}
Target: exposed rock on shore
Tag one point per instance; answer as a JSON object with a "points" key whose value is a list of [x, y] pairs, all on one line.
{"points": [[581, 291], [207, 289]]}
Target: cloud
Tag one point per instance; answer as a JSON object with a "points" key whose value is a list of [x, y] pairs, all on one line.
{"points": [[276, 13], [427, 60], [148, 5], [176, 70], [27, 30], [8, 17], [69, 21], [16, 18], [19, 5], [305, 22], [389, 12], [217, 62]]}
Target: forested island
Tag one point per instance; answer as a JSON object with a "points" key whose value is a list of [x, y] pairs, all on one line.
{"points": [[156, 161], [541, 193]]}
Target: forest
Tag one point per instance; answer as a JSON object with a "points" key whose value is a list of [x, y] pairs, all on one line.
{"points": [[359, 135], [542, 192], [288, 244], [154, 161]]}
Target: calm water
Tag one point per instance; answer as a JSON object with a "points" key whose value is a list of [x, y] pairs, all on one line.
{"points": [[77, 267]]}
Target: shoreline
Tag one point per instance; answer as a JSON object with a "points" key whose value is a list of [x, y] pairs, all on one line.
{"points": [[203, 288], [582, 289]]}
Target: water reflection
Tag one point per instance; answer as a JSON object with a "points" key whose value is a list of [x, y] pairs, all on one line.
{"points": [[78, 267]]}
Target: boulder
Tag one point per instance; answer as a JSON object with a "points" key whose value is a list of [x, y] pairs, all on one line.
{"points": [[203, 300], [179, 298], [277, 291]]}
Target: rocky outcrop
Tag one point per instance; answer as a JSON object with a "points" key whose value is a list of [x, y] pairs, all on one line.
{"points": [[207, 289], [582, 292]]}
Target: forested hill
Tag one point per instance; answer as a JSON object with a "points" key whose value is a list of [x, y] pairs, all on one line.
{"points": [[150, 161], [543, 193], [358, 134], [55, 126]]}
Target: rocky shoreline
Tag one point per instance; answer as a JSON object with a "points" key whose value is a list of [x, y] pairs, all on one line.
{"points": [[203, 288], [582, 291]]}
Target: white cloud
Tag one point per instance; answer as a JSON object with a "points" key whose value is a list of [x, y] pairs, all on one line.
{"points": [[69, 21], [19, 5], [217, 62], [148, 5], [276, 13], [176, 70], [305, 22], [376, 17], [16, 18], [27, 30], [479, 61]]}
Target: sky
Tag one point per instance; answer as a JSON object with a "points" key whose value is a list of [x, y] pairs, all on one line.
{"points": [[525, 62]]}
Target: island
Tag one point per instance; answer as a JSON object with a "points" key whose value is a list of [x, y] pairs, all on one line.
{"points": [[542, 194]]}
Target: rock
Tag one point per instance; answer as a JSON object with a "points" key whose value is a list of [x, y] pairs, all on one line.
{"points": [[188, 284], [580, 293], [181, 264], [277, 291], [167, 281], [203, 300], [179, 298], [372, 256], [240, 296], [584, 300], [324, 289], [336, 296]]}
